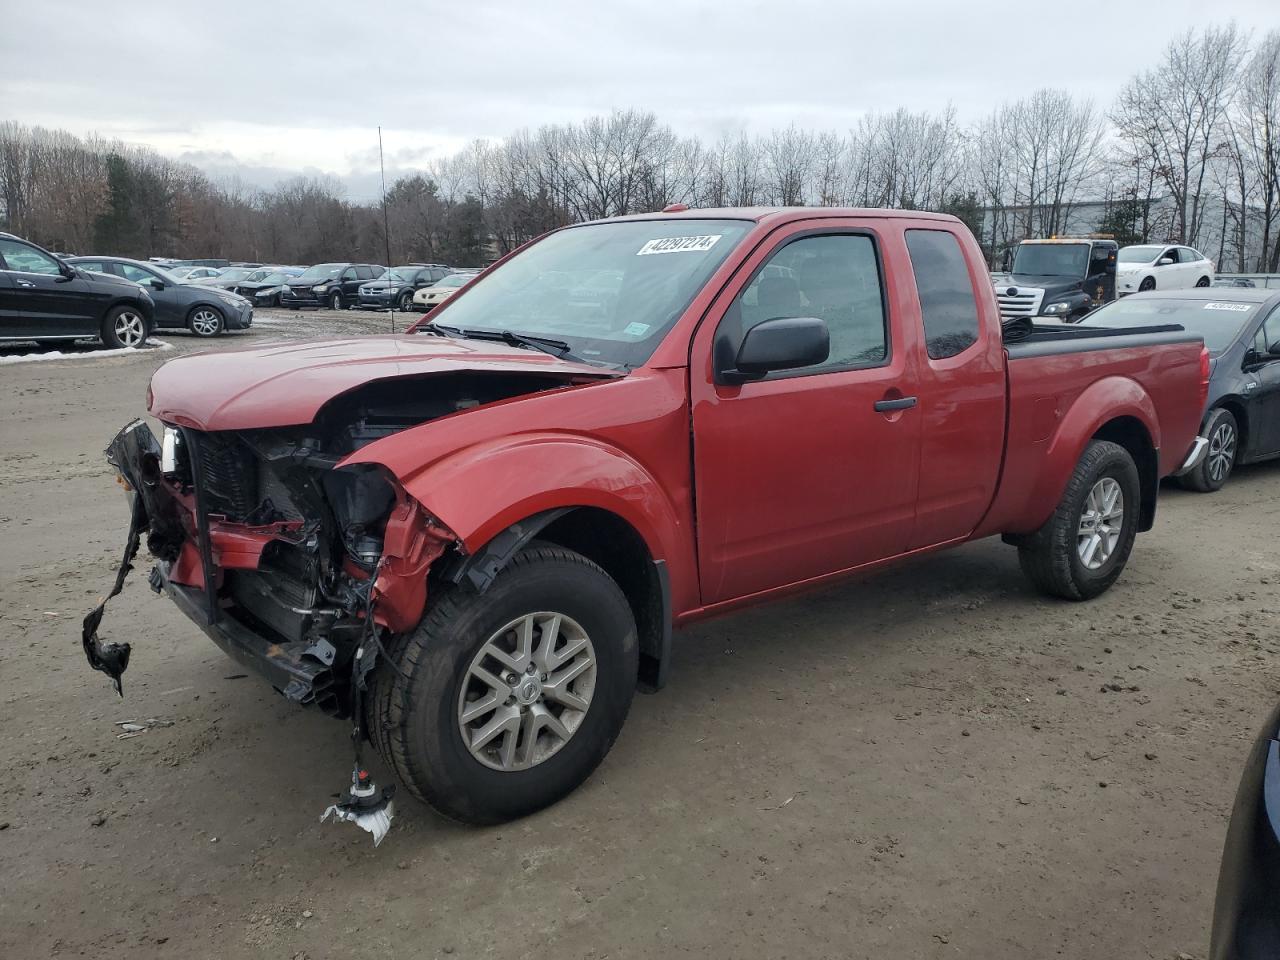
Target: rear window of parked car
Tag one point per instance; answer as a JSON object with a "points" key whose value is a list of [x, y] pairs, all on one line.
{"points": [[947, 303]]}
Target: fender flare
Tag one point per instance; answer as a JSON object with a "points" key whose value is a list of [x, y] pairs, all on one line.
{"points": [[1103, 401]]}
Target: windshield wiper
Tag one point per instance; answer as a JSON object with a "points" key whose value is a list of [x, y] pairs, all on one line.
{"points": [[557, 348]]}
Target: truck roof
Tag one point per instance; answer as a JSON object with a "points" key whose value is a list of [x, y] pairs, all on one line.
{"points": [[1073, 240], [784, 214]]}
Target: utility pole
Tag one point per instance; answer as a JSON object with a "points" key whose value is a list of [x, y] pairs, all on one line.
{"points": [[386, 228]]}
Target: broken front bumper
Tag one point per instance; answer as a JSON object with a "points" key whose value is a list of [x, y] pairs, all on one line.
{"points": [[302, 672]]}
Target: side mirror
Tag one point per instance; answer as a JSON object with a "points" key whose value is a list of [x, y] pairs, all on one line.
{"points": [[67, 271], [784, 343], [155, 284], [1164, 262]]}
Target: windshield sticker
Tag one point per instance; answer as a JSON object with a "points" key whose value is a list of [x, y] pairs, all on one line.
{"points": [[679, 245], [636, 329], [1238, 307]]}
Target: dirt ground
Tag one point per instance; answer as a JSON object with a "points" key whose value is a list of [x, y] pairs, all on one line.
{"points": [[923, 763]]}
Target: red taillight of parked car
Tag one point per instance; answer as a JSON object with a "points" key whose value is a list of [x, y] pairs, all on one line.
{"points": [[1204, 375]]}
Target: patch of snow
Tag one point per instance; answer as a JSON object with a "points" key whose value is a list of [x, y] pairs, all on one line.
{"points": [[87, 354]]}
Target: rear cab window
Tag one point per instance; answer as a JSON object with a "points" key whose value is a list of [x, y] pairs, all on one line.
{"points": [[947, 302]]}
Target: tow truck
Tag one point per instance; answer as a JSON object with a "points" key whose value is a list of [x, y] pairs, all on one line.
{"points": [[1061, 279]]}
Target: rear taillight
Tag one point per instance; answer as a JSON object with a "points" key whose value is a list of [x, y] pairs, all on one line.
{"points": [[1204, 375]]}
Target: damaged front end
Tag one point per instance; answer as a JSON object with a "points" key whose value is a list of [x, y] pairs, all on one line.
{"points": [[279, 555]]}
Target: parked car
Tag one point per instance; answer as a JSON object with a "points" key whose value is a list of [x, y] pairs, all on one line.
{"points": [[1152, 266], [332, 285], [1059, 279], [193, 274], [523, 501], [204, 310], [263, 287], [431, 297], [52, 301], [396, 287], [230, 277], [1241, 329], [1232, 282]]}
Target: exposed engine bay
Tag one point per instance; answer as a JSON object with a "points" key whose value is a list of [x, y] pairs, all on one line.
{"points": [[287, 560]]}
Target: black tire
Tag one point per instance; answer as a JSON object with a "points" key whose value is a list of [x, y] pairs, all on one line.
{"points": [[120, 326], [1220, 459], [1202, 282], [414, 719], [206, 321], [1050, 557], [406, 301], [335, 300], [1148, 283]]}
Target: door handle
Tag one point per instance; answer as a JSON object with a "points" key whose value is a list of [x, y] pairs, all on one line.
{"points": [[902, 403], [25, 283]]}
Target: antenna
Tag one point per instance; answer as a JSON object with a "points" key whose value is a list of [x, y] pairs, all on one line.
{"points": [[386, 228]]}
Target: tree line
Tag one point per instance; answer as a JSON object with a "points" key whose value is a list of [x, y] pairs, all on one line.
{"points": [[1189, 149]]}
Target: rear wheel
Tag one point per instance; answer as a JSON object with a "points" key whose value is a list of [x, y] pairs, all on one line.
{"points": [[1202, 282], [124, 326], [1083, 547], [205, 322], [1220, 459], [1148, 283], [509, 699]]}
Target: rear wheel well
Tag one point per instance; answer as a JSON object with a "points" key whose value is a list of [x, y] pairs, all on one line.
{"points": [[1129, 433]]}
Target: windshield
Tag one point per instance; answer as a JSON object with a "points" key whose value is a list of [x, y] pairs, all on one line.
{"points": [[1051, 259], [394, 276], [1217, 321], [661, 263], [455, 280], [321, 271], [275, 278], [235, 273], [1138, 254]]}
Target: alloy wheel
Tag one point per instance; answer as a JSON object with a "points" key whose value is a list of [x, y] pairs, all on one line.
{"points": [[1100, 523], [527, 691], [130, 329], [1222, 452], [206, 322]]}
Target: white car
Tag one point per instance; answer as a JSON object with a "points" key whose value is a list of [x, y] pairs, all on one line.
{"points": [[194, 274], [441, 290], [1161, 267]]}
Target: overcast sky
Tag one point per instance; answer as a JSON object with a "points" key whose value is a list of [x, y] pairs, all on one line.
{"points": [[268, 90]]}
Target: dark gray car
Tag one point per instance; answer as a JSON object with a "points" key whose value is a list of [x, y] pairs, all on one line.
{"points": [[204, 310], [1241, 328]]}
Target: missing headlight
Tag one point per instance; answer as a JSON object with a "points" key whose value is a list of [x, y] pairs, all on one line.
{"points": [[361, 497]]}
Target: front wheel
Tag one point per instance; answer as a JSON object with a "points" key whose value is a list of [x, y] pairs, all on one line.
{"points": [[1083, 547], [205, 322], [508, 700], [1148, 283], [1220, 459], [124, 327], [335, 301], [406, 301]]}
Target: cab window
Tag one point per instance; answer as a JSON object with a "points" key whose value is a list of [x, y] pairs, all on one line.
{"points": [[947, 304], [835, 277]]}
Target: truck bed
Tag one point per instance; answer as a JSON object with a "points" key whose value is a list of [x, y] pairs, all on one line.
{"points": [[1055, 396]]}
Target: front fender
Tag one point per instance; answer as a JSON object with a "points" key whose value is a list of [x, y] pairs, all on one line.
{"points": [[481, 490], [1108, 399]]}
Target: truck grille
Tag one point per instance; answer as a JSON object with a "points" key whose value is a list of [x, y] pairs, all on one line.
{"points": [[1019, 302]]}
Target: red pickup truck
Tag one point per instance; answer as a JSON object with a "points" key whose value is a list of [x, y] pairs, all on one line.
{"points": [[475, 538]]}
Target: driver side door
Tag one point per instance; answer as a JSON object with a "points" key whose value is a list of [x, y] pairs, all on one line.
{"points": [[1264, 399]]}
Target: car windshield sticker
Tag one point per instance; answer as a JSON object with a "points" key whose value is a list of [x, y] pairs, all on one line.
{"points": [[1238, 307], [636, 329], [678, 245]]}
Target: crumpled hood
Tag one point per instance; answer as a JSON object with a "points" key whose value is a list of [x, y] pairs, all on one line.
{"points": [[287, 383]]}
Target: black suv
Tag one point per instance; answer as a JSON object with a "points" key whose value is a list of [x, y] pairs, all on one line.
{"points": [[396, 287], [49, 300], [333, 285]]}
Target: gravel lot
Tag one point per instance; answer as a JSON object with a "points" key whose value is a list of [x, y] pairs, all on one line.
{"points": [[931, 762]]}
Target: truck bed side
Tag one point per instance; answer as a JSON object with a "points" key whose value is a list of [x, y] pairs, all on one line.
{"points": [[1064, 391]]}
